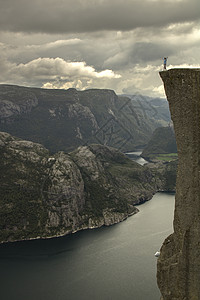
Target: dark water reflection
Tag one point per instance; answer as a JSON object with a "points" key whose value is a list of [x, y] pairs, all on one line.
{"points": [[108, 263]]}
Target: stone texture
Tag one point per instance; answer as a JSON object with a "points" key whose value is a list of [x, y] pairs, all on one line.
{"points": [[178, 270], [44, 195]]}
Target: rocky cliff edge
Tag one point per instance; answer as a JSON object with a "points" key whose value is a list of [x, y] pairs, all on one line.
{"points": [[43, 195], [178, 270]]}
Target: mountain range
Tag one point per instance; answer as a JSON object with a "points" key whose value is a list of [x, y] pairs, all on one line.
{"points": [[59, 170], [66, 119]]}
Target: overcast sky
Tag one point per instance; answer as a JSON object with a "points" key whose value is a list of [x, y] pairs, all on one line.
{"points": [[114, 44]]}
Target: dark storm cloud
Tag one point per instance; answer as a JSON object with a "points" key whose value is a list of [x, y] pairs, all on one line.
{"points": [[116, 44], [139, 52], [58, 16]]}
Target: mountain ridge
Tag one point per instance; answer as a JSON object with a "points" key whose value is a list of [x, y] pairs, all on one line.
{"points": [[66, 119]]}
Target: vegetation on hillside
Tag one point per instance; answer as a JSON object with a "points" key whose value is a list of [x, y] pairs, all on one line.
{"points": [[162, 145], [66, 119], [44, 195]]}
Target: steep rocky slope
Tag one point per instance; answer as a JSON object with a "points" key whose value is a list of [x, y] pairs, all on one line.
{"points": [[66, 119], [179, 263], [154, 108], [162, 142], [43, 195]]}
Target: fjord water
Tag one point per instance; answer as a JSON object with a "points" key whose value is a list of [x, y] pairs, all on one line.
{"points": [[109, 263], [136, 157]]}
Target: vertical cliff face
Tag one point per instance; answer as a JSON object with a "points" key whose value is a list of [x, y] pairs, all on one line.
{"points": [[178, 270]]}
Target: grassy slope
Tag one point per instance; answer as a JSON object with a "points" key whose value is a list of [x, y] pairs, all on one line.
{"points": [[161, 145]]}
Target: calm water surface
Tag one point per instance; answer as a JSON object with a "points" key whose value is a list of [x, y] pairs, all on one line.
{"points": [[110, 263], [136, 157]]}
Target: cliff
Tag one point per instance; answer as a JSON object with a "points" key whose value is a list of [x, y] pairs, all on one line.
{"points": [[162, 142], [178, 269], [62, 120], [44, 195]]}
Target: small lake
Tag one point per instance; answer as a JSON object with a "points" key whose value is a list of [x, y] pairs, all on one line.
{"points": [[136, 157], [109, 263]]}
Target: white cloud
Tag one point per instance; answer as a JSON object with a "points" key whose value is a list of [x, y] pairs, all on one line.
{"points": [[116, 44], [183, 66], [159, 91], [58, 67], [54, 44], [77, 84], [47, 70]]}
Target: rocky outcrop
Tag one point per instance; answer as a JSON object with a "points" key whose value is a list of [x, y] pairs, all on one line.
{"points": [[9, 109], [44, 195], [178, 270], [41, 195]]}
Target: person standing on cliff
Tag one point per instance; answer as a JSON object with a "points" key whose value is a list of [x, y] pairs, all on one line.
{"points": [[165, 62]]}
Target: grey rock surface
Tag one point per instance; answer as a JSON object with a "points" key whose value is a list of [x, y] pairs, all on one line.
{"points": [[178, 270], [44, 195]]}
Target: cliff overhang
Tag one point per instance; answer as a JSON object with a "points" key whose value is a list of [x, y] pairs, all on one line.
{"points": [[178, 269]]}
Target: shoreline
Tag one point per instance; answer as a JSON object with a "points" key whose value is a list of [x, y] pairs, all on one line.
{"points": [[85, 227], [72, 231]]}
